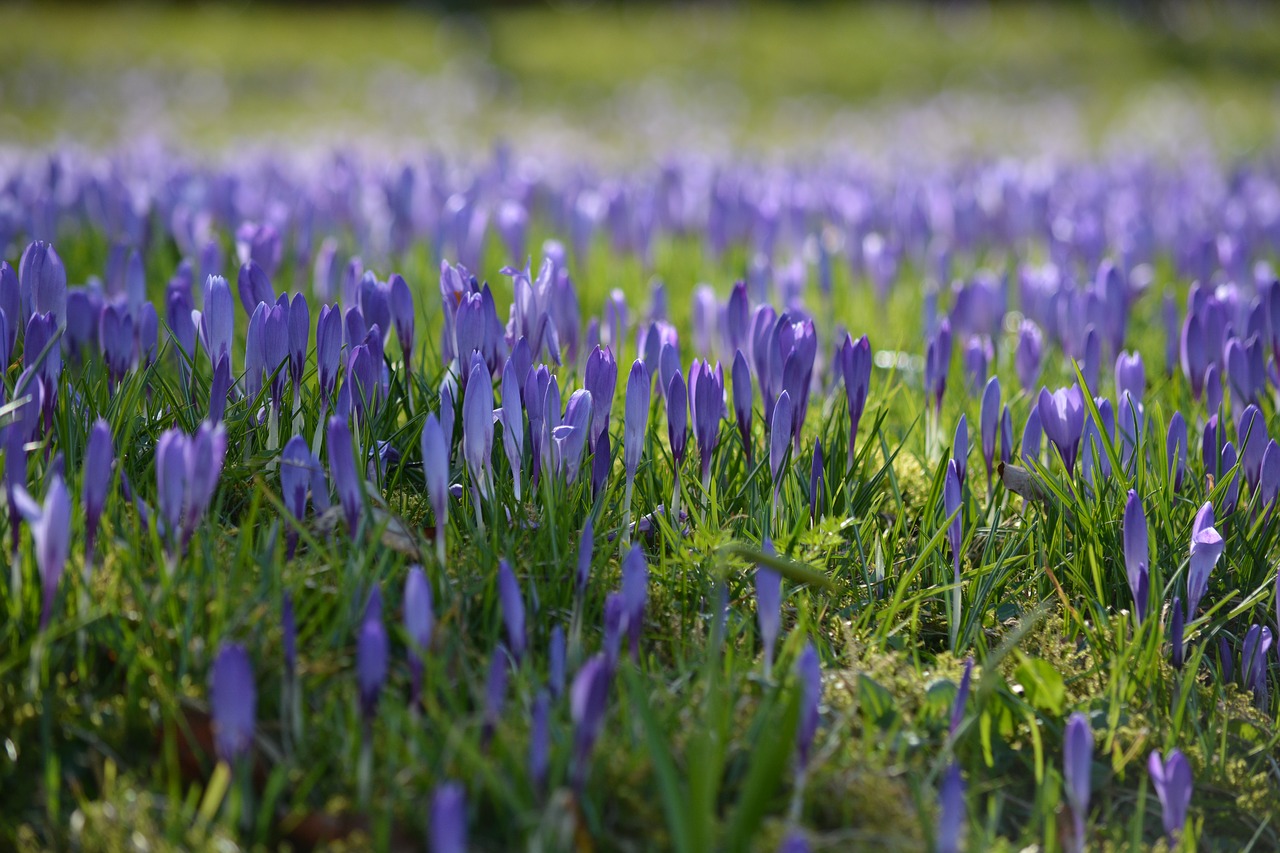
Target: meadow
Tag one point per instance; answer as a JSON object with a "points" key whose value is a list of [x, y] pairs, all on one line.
{"points": [[403, 492]]}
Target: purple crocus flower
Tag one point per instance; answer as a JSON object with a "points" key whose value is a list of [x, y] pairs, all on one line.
{"points": [[1176, 449], [794, 842], [217, 321], [1226, 467], [635, 425], [512, 417], [1213, 388], [1136, 554], [768, 607], [1028, 355], [299, 472], [809, 674], [742, 394], [1062, 417], [1269, 476], [1253, 663], [600, 377], [402, 314], [668, 367], [960, 448], [1252, 434], [989, 419], [1090, 360], [588, 702], [1077, 759], [512, 605], [635, 594], [344, 473], [99, 459], [977, 356], [1006, 435], [187, 472], [11, 308], [448, 828], [50, 525], [937, 364], [951, 503], [1171, 777], [495, 692], [419, 622], [586, 545], [254, 287], [115, 336], [951, 810], [817, 480], [706, 406], [1130, 375], [779, 435], [855, 367], [1194, 354], [677, 422], [435, 471], [372, 651], [42, 280], [233, 703], [601, 465], [477, 433], [328, 350]]}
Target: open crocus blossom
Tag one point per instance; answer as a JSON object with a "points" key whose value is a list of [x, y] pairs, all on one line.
{"points": [[1207, 547], [1136, 556], [233, 703], [1171, 777], [1062, 419]]}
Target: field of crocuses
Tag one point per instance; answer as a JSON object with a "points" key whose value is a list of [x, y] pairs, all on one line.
{"points": [[499, 497]]}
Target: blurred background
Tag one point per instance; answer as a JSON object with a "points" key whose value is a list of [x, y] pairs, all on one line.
{"points": [[637, 79]]}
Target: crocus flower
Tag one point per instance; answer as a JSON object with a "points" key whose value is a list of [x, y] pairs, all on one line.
{"points": [[1006, 435], [42, 280], [588, 702], [51, 534], [1176, 449], [855, 368], [512, 416], [1253, 663], [448, 828], [809, 674], [217, 321], [1077, 759], [402, 314], [779, 435], [99, 459], [254, 287], [635, 425], [419, 621], [937, 364], [951, 498], [1028, 355], [951, 810], [601, 464], [435, 471], [677, 421], [1213, 388], [816, 481], [742, 394], [1226, 467], [989, 419], [371, 655], [960, 448], [1171, 777], [600, 377], [768, 607], [328, 350], [977, 356], [477, 434], [1136, 555], [794, 842], [233, 703], [512, 604], [300, 472], [344, 473], [1030, 447], [635, 594], [187, 473], [1090, 360], [1062, 418], [495, 692], [706, 406], [1194, 353], [1252, 433], [1130, 375]]}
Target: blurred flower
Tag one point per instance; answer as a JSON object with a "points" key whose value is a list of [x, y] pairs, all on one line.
{"points": [[232, 703], [1136, 557], [1171, 777]]}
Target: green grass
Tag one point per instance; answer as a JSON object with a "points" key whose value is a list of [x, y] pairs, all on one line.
{"points": [[279, 71]]}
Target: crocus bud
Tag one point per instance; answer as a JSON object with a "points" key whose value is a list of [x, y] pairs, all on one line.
{"points": [[600, 377], [298, 471], [96, 477], [232, 703], [477, 430], [419, 621], [588, 702], [555, 661], [435, 471], [254, 287], [768, 585], [677, 419], [217, 321], [816, 481], [540, 739], [299, 326], [779, 435], [635, 594], [371, 655], [742, 394], [448, 829], [960, 448], [50, 525], [989, 419], [809, 675], [1176, 450], [512, 416], [512, 605], [328, 350], [636, 421], [1077, 759], [1006, 435], [344, 474], [1136, 556], [1177, 627], [951, 810], [402, 314], [1027, 357], [1062, 418], [1171, 777]]}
